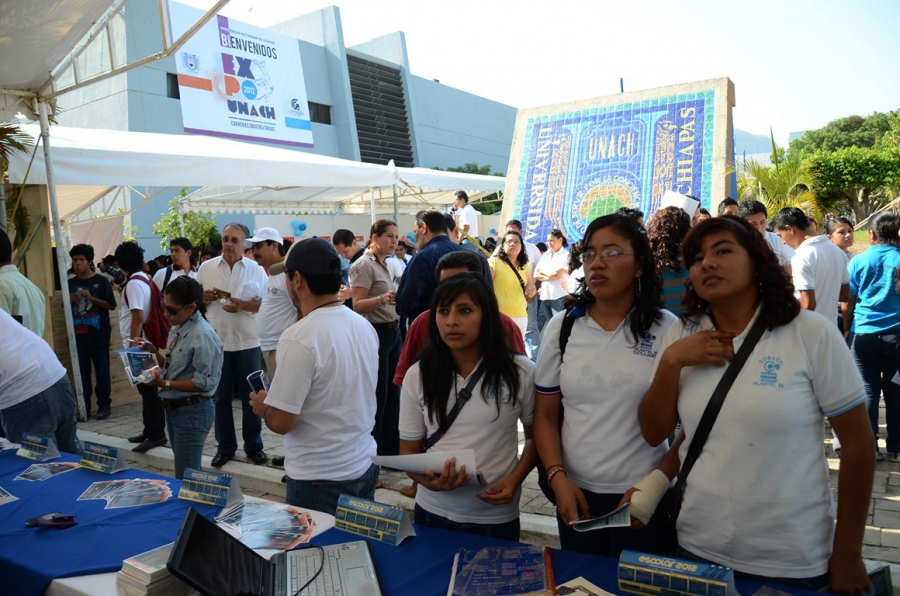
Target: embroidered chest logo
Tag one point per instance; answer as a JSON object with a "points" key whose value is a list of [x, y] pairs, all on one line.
{"points": [[502, 395], [768, 376], [645, 347]]}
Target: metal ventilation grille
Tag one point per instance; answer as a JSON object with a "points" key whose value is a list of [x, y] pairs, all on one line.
{"points": [[382, 123]]}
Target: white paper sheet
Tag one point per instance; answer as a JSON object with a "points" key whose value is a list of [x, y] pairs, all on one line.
{"points": [[434, 461]]}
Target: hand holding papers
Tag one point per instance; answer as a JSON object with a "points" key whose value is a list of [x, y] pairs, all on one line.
{"points": [[434, 461]]}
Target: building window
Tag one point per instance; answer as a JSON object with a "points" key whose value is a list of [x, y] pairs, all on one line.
{"points": [[319, 113], [172, 86]]}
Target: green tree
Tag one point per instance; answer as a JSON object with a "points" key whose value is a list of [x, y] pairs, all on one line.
{"points": [[199, 228], [852, 131], [860, 177], [487, 205], [787, 183], [13, 139]]}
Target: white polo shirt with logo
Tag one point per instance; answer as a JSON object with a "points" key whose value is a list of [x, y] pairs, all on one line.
{"points": [[819, 265]]}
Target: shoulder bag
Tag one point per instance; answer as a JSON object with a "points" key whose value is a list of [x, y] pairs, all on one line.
{"points": [[461, 398]]}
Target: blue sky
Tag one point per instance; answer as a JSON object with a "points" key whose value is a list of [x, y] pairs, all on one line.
{"points": [[795, 64]]}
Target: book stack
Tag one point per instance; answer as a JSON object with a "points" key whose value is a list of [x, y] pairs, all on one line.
{"points": [[146, 574]]}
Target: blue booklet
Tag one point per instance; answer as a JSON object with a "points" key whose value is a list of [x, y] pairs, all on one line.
{"points": [[503, 570]]}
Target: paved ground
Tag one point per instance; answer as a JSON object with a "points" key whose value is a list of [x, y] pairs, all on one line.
{"points": [[882, 539]]}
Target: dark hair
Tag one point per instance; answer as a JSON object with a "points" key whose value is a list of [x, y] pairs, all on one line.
{"points": [[647, 308], [516, 223], [130, 257], [541, 246], [831, 224], [630, 212], [751, 207], [238, 226], [461, 194], [575, 255], [380, 227], [344, 237], [5, 249], [557, 233], [791, 216], [776, 289], [436, 364], [885, 226], [83, 250], [184, 291], [522, 259], [458, 259], [320, 284], [666, 232], [186, 246], [726, 202], [433, 219], [703, 211], [451, 223], [109, 260]]}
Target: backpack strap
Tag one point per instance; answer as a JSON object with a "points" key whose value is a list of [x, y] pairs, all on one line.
{"points": [[166, 278], [461, 398], [565, 331]]}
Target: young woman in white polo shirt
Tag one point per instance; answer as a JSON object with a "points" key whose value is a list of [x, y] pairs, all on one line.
{"points": [[598, 454], [758, 498], [466, 336]]}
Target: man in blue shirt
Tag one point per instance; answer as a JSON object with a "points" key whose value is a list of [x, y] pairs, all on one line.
{"points": [[419, 282]]}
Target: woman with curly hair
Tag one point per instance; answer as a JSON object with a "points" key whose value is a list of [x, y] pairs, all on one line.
{"points": [[758, 497], [615, 322], [666, 232], [513, 283]]}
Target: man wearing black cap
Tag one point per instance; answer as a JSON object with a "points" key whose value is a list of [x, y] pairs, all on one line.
{"points": [[323, 400]]}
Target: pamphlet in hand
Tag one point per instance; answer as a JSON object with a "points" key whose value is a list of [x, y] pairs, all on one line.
{"points": [[433, 461], [140, 365], [620, 517]]}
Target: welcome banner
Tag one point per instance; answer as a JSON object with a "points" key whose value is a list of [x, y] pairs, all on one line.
{"points": [[240, 81], [571, 163]]}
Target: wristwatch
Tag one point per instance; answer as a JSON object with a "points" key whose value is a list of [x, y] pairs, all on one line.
{"points": [[168, 384]]}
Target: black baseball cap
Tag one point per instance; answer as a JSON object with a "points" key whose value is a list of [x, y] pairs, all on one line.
{"points": [[312, 256]]}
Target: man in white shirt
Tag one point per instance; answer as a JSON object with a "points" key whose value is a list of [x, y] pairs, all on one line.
{"points": [[466, 215], [819, 267], [276, 312], [18, 294], [756, 214], [323, 400], [134, 310], [233, 286], [181, 251]]}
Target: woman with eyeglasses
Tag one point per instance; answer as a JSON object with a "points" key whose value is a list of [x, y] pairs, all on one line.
{"points": [[190, 372], [513, 283], [598, 459], [552, 270]]}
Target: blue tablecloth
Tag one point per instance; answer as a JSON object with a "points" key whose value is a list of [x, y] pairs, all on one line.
{"points": [[30, 558]]}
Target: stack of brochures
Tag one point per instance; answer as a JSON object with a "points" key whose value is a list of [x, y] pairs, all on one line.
{"points": [[147, 574]]}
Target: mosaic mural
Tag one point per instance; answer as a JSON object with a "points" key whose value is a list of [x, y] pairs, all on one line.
{"points": [[576, 165]]}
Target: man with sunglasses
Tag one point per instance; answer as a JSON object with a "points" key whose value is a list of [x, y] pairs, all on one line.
{"points": [[232, 290]]}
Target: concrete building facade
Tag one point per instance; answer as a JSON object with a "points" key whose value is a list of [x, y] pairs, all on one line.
{"points": [[364, 102]]}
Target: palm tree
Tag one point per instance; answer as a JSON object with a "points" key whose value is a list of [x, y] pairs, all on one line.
{"points": [[13, 139], [785, 184]]}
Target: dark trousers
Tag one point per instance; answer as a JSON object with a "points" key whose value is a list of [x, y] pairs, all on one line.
{"points": [[878, 358], [811, 584], [505, 531], [387, 395], [98, 356], [235, 368], [154, 415], [611, 541]]}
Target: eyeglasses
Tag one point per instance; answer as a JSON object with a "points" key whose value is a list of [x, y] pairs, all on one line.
{"points": [[588, 256], [174, 311], [512, 242]]}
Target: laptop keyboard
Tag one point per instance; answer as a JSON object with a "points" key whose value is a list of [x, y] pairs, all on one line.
{"points": [[301, 569]]}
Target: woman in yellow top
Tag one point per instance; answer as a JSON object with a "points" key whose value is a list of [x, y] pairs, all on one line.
{"points": [[513, 283]]}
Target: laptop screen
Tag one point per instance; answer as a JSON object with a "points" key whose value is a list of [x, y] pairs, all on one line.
{"points": [[213, 562]]}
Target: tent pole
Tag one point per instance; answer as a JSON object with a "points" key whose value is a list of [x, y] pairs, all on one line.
{"points": [[43, 112], [372, 203], [3, 223], [396, 204]]}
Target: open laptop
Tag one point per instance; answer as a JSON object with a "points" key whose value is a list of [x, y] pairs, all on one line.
{"points": [[215, 563]]}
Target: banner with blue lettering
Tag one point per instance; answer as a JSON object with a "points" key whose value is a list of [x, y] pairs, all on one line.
{"points": [[240, 81], [577, 165]]}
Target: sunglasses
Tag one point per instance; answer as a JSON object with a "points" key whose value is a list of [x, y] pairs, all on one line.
{"points": [[174, 311]]}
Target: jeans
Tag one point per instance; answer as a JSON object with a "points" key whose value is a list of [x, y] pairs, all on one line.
{"points": [[188, 428], [878, 356], [532, 333], [812, 584], [50, 413], [547, 309], [387, 395], [506, 531], [153, 413], [611, 541], [323, 495], [235, 368], [99, 357]]}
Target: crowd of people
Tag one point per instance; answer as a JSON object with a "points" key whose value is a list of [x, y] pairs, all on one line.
{"points": [[604, 352]]}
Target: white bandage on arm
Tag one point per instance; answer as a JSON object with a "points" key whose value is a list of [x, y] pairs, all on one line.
{"points": [[650, 491]]}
